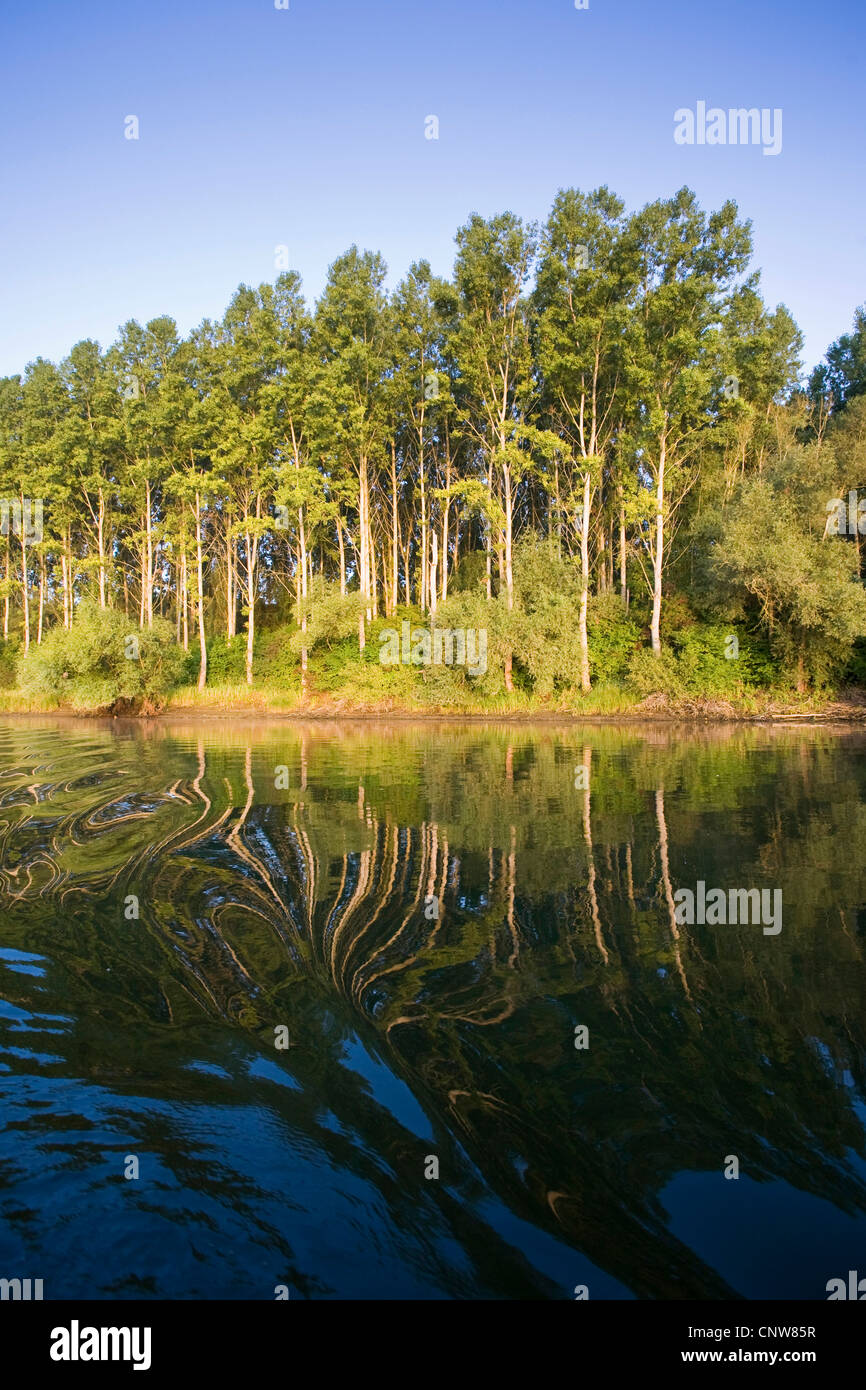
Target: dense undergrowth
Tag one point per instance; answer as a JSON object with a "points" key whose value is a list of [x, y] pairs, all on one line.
{"points": [[105, 663]]}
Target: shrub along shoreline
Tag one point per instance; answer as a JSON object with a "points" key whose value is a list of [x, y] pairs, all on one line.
{"points": [[476, 659]]}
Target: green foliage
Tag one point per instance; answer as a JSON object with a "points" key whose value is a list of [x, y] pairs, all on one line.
{"points": [[331, 617], [842, 376], [275, 660], [9, 656], [651, 673], [774, 558], [89, 668], [705, 667], [696, 663], [535, 412], [613, 636], [226, 658]]}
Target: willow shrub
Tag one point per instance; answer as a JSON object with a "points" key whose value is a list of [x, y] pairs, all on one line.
{"points": [[612, 638], [104, 662]]}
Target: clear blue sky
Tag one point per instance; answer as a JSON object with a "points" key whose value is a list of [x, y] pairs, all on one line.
{"points": [[305, 126]]}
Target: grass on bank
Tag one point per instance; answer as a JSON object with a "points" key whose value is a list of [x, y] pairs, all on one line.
{"points": [[106, 665], [604, 701]]}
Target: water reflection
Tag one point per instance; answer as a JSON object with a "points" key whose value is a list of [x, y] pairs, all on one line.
{"points": [[430, 912]]}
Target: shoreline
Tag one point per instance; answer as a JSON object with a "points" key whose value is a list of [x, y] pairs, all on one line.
{"points": [[654, 710]]}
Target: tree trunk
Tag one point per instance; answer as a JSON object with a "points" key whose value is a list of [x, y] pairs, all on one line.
{"points": [[25, 588], [364, 534], [6, 599], [623, 577], [231, 602], [658, 554], [142, 605], [252, 544], [149, 526], [445, 511], [434, 567], [422, 601], [202, 670], [68, 590], [41, 599], [185, 589], [584, 586], [100, 533], [395, 523], [342, 557]]}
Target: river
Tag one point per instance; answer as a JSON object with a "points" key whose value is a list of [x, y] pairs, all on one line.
{"points": [[371, 1010]]}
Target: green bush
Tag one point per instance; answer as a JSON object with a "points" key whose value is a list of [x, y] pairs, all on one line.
{"points": [[226, 659], [612, 637], [695, 663], [275, 661], [708, 670], [855, 671], [655, 674], [104, 662], [10, 654], [704, 666]]}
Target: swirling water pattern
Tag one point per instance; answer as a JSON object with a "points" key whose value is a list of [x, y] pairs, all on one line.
{"points": [[430, 912]]}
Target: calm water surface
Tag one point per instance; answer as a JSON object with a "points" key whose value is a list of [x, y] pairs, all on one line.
{"points": [[428, 913]]}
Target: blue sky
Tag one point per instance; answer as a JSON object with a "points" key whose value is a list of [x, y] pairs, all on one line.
{"points": [[305, 127]]}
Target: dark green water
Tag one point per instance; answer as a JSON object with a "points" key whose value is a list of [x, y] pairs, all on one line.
{"points": [[312, 907]]}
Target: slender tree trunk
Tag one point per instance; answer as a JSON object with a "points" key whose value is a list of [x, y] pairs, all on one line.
{"points": [[251, 607], [364, 534], [406, 552], [422, 598], [342, 557], [434, 567], [488, 549], [25, 588], [231, 601], [202, 669], [178, 621], [509, 533], [374, 576], [445, 521], [488, 535], [584, 585], [623, 575], [142, 606], [100, 540], [68, 590], [303, 594], [610, 557], [505, 562], [185, 600], [395, 541], [252, 544], [6, 599], [41, 599], [364, 554], [658, 555], [302, 547], [149, 532]]}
